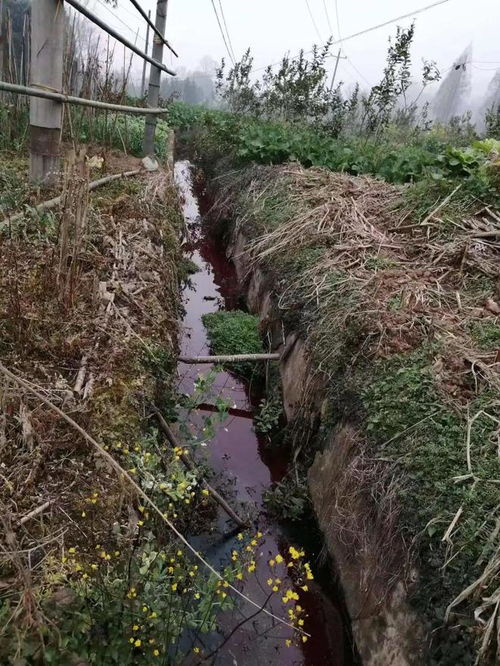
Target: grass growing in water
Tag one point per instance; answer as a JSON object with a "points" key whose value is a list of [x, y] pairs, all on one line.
{"points": [[235, 332]]}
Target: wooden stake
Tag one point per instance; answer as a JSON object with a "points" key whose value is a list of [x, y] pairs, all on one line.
{"points": [[47, 37], [154, 77]]}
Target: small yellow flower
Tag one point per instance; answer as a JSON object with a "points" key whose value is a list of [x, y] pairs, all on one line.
{"points": [[205, 491], [258, 535], [300, 623], [135, 627], [275, 588], [93, 566], [72, 551], [197, 595], [156, 652], [140, 523], [138, 643], [196, 650], [272, 563], [174, 586], [305, 588], [239, 576], [83, 514], [288, 642], [153, 615], [131, 639], [239, 536], [304, 639], [279, 559]]}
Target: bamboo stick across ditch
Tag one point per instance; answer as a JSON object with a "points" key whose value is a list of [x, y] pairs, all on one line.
{"points": [[234, 358]]}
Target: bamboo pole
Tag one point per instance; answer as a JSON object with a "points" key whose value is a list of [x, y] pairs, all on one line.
{"points": [[154, 78], [190, 465], [53, 203], [236, 358], [81, 101], [123, 40], [146, 47], [147, 18], [47, 37]]}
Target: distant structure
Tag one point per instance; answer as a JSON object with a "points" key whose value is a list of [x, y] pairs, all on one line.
{"points": [[454, 91], [491, 99]]}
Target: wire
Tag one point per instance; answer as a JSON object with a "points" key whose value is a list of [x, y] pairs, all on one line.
{"points": [[227, 31], [125, 25], [328, 18], [367, 30], [312, 19], [222, 32]]}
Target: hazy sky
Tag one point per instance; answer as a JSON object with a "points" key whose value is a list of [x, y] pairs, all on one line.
{"points": [[273, 27]]}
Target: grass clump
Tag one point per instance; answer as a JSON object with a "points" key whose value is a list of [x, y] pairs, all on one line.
{"points": [[235, 332]]}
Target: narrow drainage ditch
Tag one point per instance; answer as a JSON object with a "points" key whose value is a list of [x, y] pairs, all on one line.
{"points": [[240, 458]]}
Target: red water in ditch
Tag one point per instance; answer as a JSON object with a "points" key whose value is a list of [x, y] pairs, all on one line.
{"points": [[244, 468]]}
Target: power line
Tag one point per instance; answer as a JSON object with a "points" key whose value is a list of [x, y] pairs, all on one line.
{"points": [[367, 30], [227, 31], [328, 17], [337, 16], [222, 32], [125, 25], [312, 19]]}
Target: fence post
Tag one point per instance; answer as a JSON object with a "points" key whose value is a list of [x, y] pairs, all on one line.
{"points": [[154, 77], [47, 37]]}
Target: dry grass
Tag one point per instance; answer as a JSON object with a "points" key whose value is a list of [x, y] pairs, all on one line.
{"points": [[76, 314], [375, 284]]}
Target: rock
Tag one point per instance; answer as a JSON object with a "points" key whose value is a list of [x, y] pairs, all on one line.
{"points": [[150, 163]]}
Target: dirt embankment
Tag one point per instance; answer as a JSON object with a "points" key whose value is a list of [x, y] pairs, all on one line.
{"points": [[88, 312], [390, 341]]}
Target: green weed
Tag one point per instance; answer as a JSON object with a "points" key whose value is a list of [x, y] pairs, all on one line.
{"points": [[235, 333]]}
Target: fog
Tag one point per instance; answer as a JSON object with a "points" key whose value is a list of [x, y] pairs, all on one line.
{"points": [[274, 28]]}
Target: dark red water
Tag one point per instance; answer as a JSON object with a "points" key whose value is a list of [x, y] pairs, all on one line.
{"points": [[248, 468]]}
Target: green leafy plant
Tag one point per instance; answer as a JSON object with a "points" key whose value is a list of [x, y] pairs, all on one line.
{"points": [[235, 332]]}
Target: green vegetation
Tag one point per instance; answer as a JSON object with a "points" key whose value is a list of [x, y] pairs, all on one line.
{"points": [[289, 499], [235, 332], [408, 421], [362, 296]]}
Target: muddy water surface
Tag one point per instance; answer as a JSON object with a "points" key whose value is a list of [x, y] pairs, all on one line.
{"points": [[246, 468]]}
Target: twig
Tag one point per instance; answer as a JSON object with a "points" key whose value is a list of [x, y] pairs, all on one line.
{"points": [[125, 475], [189, 464], [53, 203], [35, 512]]}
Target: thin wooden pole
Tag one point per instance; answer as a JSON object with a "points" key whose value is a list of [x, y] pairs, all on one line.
{"points": [[123, 40], [335, 70], [53, 203], [81, 101], [154, 77], [143, 82], [147, 18], [47, 37]]}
